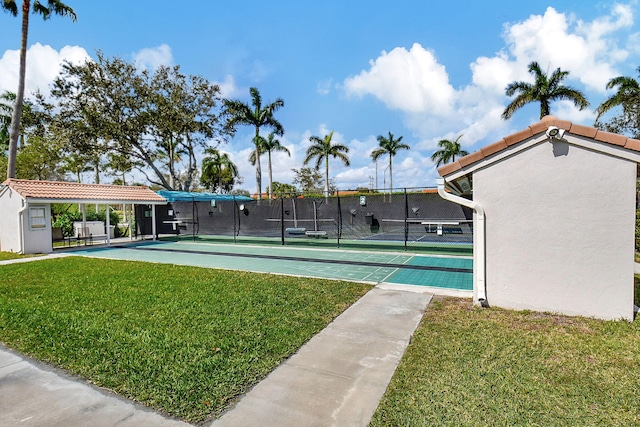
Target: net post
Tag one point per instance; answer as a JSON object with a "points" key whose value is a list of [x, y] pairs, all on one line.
{"points": [[339, 231], [235, 208], [282, 219], [193, 218], [406, 215]]}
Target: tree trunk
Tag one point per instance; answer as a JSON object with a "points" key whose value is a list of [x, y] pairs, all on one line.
{"points": [[258, 168], [390, 174], [326, 177], [17, 109], [270, 179]]}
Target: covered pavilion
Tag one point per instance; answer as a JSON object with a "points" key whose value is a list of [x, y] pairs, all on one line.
{"points": [[25, 209]]}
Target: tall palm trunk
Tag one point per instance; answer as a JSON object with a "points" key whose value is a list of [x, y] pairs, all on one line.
{"points": [[270, 179], [17, 109], [258, 168], [326, 177], [390, 174]]}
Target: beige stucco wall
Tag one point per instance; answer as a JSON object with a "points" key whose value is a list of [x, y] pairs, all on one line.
{"points": [[10, 204], [17, 231], [560, 224]]}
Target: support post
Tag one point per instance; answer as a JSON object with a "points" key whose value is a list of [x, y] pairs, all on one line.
{"points": [[108, 224], [153, 222]]}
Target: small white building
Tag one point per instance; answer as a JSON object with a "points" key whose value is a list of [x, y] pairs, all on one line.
{"points": [[25, 209], [554, 222]]}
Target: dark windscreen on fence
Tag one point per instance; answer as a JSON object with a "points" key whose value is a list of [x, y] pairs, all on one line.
{"points": [[411, 219]]}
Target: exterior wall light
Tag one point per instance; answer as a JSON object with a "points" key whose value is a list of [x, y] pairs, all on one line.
{"points": [[553, 132]]}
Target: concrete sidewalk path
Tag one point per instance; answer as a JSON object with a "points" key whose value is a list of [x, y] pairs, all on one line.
{"points": [[340, 375], [336, 379], [38, 396]]}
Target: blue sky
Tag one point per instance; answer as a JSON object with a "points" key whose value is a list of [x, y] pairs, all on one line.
{"points": [[419, 69]]}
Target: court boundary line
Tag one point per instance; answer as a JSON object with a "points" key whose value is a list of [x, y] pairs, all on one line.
{"points": [[300, 259], [326, 249]]}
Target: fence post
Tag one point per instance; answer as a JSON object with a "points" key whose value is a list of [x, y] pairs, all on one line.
{"points": [[339, 231], [282, 219], [406, 215]]}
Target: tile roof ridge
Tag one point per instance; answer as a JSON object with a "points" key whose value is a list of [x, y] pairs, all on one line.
{"points": [[534, 129]]}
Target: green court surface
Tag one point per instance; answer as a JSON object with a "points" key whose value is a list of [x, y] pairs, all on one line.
{"points": [[373, 267], [455, 248]]}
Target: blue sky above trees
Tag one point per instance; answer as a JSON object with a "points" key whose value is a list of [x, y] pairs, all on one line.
{"points": [[421, 70]]}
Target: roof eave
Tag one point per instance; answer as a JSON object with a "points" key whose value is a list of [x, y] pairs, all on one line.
{"points": [[95, 201]]}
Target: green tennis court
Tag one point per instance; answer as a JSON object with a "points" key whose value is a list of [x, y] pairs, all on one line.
{"points": [[448, 272]]}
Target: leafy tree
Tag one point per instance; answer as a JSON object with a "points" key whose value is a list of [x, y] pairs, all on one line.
{"points": [[3, 168], [140, 120], [40, 159], [322, 149], [33, 120], [53, 7], [448, 151], [268, 145], [308, 180], [283, 190], [544, 90], [627, 96], [183, 116], [6, 109], [389, 145], [218, 171], [258, 116]]}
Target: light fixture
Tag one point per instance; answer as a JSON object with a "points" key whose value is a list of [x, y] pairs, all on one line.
{"points": [[554, 132]]}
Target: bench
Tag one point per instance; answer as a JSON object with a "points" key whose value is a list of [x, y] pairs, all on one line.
{"points": [[58, 236], [295, 230], [315, 233], [88, 232], [83, 235]]}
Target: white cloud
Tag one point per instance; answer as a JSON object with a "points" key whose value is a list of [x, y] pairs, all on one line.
{"points": [[413, 82], [410, 81], [43, 65], [228, 87], [150, 58], [587, 49]]}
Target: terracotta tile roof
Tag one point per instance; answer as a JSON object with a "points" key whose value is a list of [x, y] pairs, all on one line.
{"points": [[75, 192], [534, 129]]}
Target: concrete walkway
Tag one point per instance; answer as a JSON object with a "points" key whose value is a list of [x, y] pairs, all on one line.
{"points": [[336, 379], [36, 395], [339, 376]]}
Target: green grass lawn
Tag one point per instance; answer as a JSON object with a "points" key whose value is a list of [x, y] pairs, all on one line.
{"points": [[468, 366], [183, 340], [10, 255]]}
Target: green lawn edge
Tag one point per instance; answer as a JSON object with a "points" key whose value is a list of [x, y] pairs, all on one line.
{"points": [[468, 366], [186, 341]]}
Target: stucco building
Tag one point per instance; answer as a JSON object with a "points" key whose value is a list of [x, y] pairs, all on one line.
{"points": [[25, 208], [555, 208]]}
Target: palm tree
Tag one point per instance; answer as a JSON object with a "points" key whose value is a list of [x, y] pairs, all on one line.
{"points": [[6, 107], [389, 146], [322, 149], [448, 151], [215, 165], [627, 95], [258, 116], [544, 90], [53, 7], [269, 145]]}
